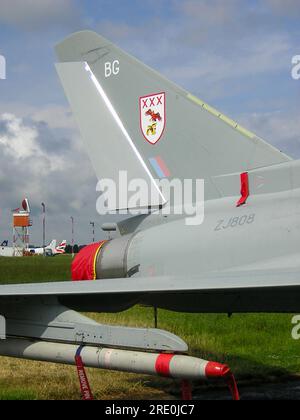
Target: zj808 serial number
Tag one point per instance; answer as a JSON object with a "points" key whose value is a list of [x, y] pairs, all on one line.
{"points": [[235, 222]]}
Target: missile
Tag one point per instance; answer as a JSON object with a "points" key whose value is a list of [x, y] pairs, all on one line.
{"points": [[165, 365]]}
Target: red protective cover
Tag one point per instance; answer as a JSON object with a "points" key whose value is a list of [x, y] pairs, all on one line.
{"points": [[83, 266]]}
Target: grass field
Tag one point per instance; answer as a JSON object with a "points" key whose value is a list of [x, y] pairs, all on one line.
{"points": [[257, 347]]}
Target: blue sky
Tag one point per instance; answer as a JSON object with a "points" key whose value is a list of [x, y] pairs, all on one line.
{"points": [[234, 54]]}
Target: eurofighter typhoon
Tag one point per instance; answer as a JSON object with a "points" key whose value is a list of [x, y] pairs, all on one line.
{"points": [[244, 257]]}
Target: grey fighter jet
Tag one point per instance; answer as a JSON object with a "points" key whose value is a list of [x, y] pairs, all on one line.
{"points": [[244, 257]]}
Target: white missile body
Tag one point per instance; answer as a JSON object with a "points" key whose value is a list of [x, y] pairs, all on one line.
{"points": [[167, 365]]}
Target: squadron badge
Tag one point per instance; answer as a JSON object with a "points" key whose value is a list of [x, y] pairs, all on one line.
{"points": [[153, 117]]}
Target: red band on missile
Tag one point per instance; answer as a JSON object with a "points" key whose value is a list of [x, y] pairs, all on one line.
{"points": [[162, 365], [245, 192]]}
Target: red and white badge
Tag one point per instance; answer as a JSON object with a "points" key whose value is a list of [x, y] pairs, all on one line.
{"points": [[153, 116]]}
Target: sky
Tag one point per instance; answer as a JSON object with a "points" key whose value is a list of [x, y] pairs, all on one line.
{"points": [[234, 54]]}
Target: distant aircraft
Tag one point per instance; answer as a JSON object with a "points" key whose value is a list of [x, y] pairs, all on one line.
{"points": [[50, 249], [243, 258], [5, 250]]}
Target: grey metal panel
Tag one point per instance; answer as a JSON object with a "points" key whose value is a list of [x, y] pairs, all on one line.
{"points": [[228, 185], [267, 180], [136, 338], [111, 260], [45, 319], [272, 179], [295, 174], [109, 227]]}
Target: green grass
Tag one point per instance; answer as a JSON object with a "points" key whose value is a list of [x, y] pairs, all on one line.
{"points": [[17, 395], [35, 269], [257, 347]]}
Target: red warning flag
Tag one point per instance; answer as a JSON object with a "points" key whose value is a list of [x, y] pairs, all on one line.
{"points": [[244, 189]]}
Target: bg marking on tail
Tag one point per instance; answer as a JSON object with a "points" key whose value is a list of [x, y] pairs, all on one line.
{"points": [[112, 68]]}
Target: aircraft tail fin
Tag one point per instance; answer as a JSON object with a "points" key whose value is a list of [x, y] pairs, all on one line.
{"points": [[61, 249], [52, 245], [132, 118]]}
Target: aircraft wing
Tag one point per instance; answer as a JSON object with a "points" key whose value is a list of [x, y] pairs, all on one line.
{"points": [[227, 292]]}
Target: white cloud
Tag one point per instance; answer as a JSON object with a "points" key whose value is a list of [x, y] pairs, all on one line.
{"points": [[19, 141], [32, 14], [56, 116]]}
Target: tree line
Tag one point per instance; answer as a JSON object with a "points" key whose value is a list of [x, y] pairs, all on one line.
{"points": [[77, 248]]}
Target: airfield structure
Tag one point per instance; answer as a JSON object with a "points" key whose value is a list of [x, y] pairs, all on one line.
{"points": [[21, 225]]}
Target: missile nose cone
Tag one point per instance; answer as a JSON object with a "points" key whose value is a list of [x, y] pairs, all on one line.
{"points": [[216, 370]]}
